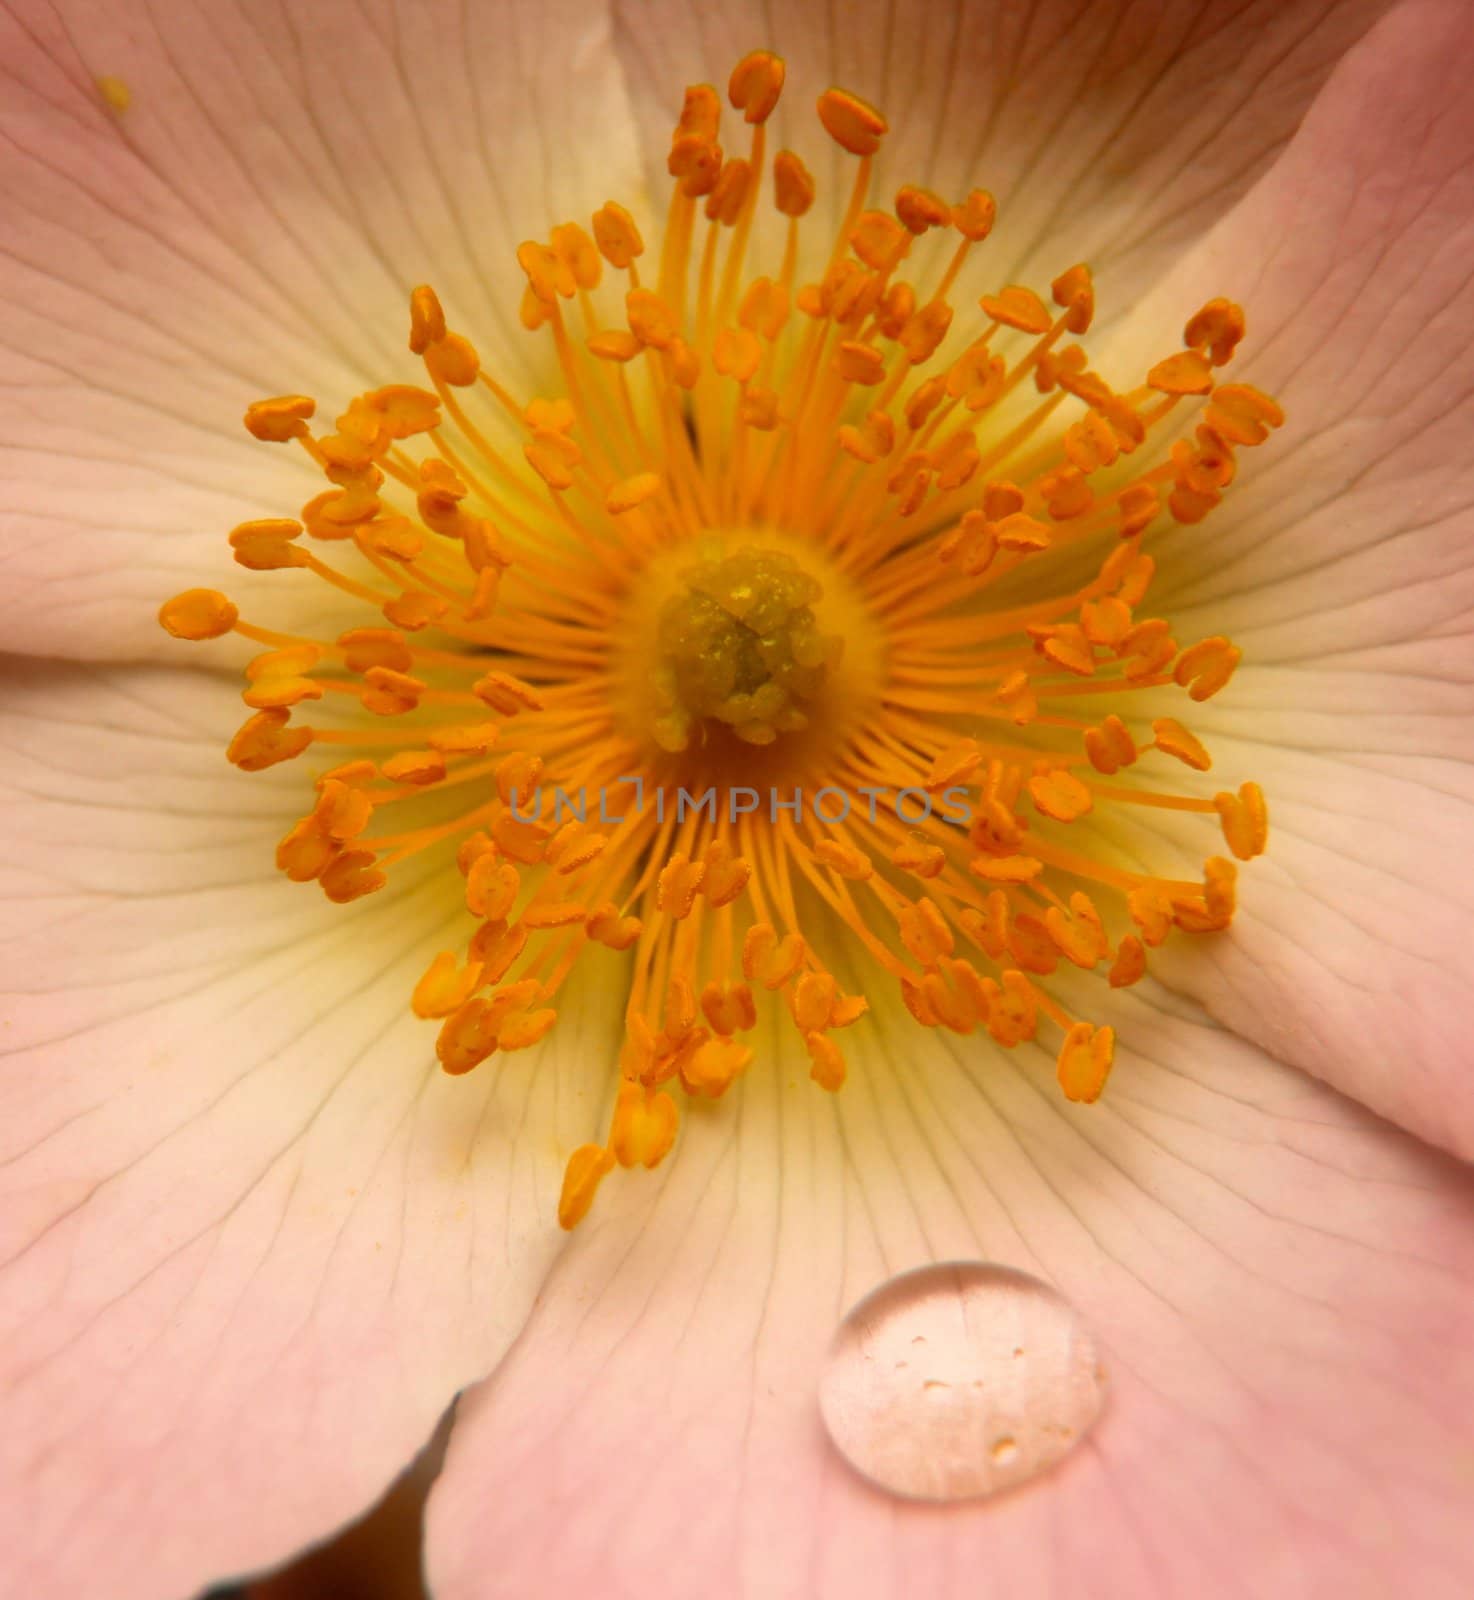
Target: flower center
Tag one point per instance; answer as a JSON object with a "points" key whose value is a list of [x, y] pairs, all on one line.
{"points": [[740, 646], [797, 629]]}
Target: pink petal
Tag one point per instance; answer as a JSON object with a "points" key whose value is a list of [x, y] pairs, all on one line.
{"points": [[251, 225], [253, 1239], [1279, 1281], [1341, 567]]}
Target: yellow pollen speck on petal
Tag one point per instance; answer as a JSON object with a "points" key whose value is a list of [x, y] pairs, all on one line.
{"points": [[798, 623], [116, 94]]}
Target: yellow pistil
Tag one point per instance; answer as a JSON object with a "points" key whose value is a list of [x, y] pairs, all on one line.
{"points": [[801, 613]]}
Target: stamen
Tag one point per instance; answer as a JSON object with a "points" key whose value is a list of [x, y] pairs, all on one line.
{"points": [[793, 545]]}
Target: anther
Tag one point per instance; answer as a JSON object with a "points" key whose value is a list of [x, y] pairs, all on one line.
{"points": [[852, 122], [279, 420], [198, 614], [755, 84]]}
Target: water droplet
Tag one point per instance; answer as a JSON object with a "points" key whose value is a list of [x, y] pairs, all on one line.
{"points": [[1010, 1385]]}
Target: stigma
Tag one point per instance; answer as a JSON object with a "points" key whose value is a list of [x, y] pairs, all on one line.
{"points": [[836, 573]]}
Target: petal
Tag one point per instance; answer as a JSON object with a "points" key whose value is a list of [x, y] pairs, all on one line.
{"points": [[1340, 566], [253, 1239], [1106, 132], [249, 225], [1277, 1278]]}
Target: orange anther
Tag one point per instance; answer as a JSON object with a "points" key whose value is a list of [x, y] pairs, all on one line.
{"points": [[793, 186], [264, 739], [755, 84], [554, 457], [955, 763], [605, 926], [389, 693], [1130, 964], [1242, 414], [464, 738], [974, 218], [614, 344], [1245, 819], [497, 947], [878, 239], [920, 209], [280, 677], [1018, 307], [587, 1168], [1061, 795], [522, 840], [766, 959], [1080, 936], [306, 850], [198, 614], [426, 319], [724, 203], [1174, 740], [492, 886], [445, 986], [696, 163], [578, 253], [764, 308], [631, 492], [759, 408], [1219, 327], [921, 337], [453, 361], [812, 1000], [701, 113], [266, 545], [1185, 373], [919, 858], [418, 768], [351, 875], [1207, 666], [859, 363], [1005, 869], [522, 1031], [1075, 291], [644, 1125], [852, 122], [827, 1067], [651, 321], [1151, 911], [1085, 1061], [678, 885], [726, 874], [506, 694], [846, 859], [736, 353], [617, 236], [713, 1066], [400, 410], [1110, 746], [554, 914], [278, 420]]}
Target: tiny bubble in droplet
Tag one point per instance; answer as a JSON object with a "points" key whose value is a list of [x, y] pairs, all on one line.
{"points": [[1023, 1382]]}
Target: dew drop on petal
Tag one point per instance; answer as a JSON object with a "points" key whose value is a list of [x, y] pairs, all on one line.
{"points": [[956, 1381]]}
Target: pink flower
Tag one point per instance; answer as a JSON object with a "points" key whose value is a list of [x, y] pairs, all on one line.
{"points": [[254, 1240]]}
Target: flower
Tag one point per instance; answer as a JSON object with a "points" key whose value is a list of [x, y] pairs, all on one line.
{"points": [[240, 1288]]}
